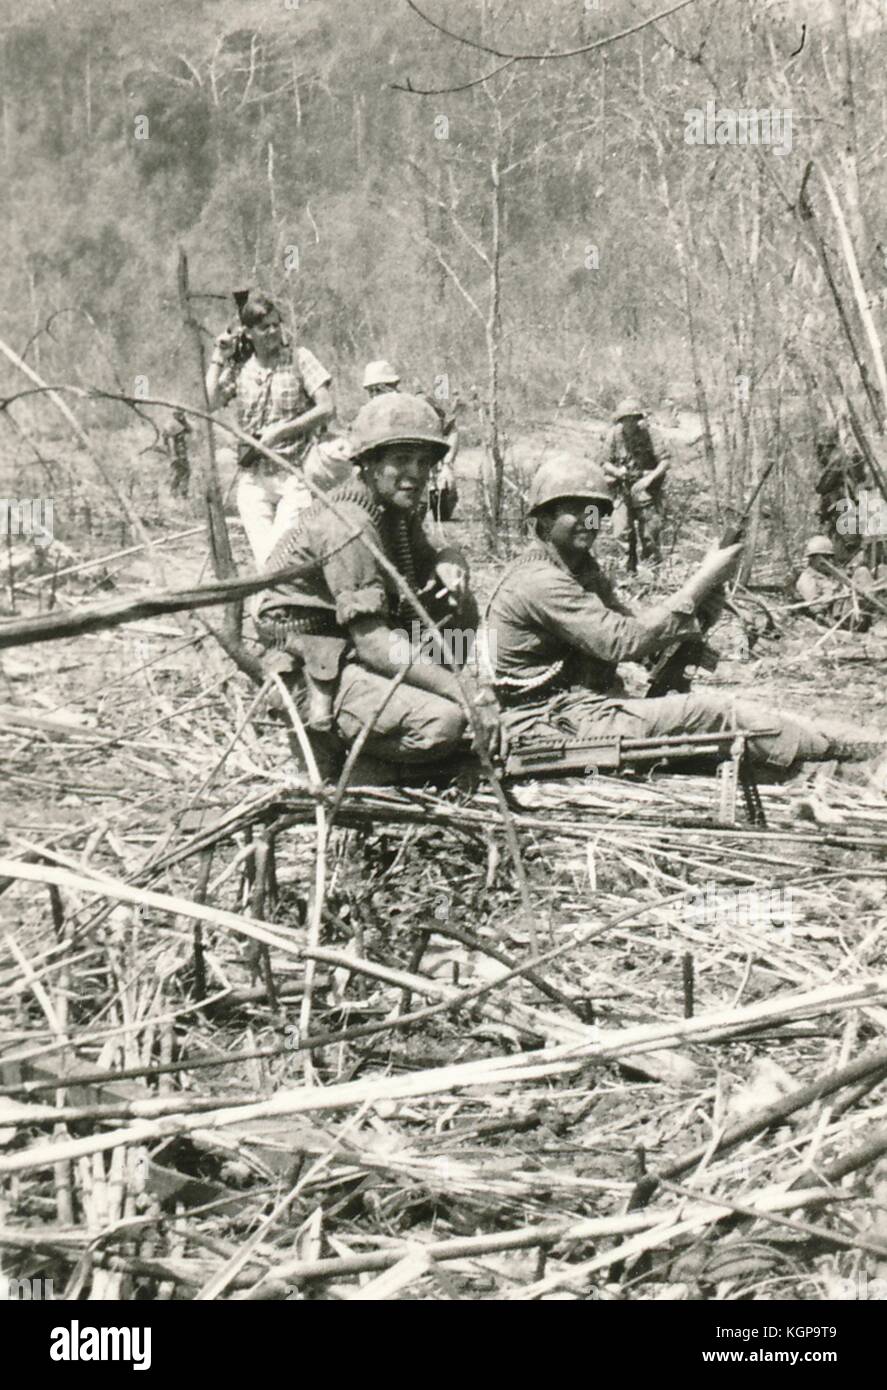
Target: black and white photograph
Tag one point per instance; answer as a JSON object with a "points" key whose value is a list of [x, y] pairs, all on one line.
{"points": [[443, 644]]}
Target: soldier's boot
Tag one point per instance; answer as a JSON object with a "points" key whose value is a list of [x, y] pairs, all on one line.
{"points": [[856, 750], [329, 755]]}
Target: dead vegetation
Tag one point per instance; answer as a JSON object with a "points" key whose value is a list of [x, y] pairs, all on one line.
{"points": [[258, 1047]]}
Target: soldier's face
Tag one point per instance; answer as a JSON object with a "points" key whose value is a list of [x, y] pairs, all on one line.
{"points": [[574, 526], [399, 478]]}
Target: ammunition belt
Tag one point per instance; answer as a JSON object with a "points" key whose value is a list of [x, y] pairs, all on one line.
{"points": [[510, 689], [299, 622]]}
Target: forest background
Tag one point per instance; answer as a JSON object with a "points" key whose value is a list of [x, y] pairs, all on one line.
{"points": [[541, 240]]}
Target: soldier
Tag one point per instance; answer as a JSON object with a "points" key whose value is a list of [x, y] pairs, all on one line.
{"points": [[637, 461], [380, 378], [841, 471], [343, 631], [284, 401], [816, 584], [869, 579], [558, 633], [175, 442]]}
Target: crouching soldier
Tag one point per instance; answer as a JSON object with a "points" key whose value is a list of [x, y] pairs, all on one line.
{"points": [[343, 630], [557, 633], [829, 600]]}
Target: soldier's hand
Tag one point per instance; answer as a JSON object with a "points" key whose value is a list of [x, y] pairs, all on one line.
{"points": [[715, 569], [453, 578], [486, 728], [639, 492], [225, 344]]}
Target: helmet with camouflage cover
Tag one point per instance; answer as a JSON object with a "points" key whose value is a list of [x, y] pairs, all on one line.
{"points": [[630, 406], [819, 545], [564, 476], [379, 373], [396, 418]]}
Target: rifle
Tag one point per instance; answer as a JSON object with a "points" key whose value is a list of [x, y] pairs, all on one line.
{"points": [[670, 671], [530, 757]]}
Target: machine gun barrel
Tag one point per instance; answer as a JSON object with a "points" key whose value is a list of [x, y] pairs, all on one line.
{"points": [[565, 757]]}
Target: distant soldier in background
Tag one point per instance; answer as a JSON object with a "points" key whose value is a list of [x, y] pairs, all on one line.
{"points": [[636, 460], [175, 442], [869, 578], [818, 586], [841, 471], [379, 378]]}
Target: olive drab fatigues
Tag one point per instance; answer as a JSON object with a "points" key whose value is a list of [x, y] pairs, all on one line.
{"points": [[556, 639], [307, 620], [830, 599], [647, 450]]}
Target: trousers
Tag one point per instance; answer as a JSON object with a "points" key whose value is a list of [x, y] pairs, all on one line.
{"points": [[269, 499], [581, 714], [648, 522]]}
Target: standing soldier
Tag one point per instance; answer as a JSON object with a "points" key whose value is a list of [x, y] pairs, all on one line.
{"points": [[175, 440], [344, 631], [637, 462], [841, 471]]}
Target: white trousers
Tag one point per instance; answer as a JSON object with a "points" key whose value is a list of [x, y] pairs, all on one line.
{"points": [[270, 499]]}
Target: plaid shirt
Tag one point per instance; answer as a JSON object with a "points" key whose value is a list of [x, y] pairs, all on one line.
{"points": [[267, 395]]}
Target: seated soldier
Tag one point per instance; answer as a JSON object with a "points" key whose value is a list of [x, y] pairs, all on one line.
{"points": [[344, 630], [817, 584], [869, 579], [557, 633]]}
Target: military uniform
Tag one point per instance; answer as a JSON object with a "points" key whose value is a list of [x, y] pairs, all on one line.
{"points": [[556, 639], [814, 587], [307, 621], [646, 452]]}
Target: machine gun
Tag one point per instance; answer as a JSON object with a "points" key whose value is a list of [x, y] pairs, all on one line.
{"points": [[670, 671], [530, 757]]}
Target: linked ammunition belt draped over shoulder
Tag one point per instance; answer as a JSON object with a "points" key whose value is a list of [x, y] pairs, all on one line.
{"points": [[290, 621], [400, 553]]}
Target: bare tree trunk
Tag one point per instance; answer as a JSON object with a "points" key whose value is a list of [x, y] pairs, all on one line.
{"points": [[220, 542], [849, 144], [494, 343]]}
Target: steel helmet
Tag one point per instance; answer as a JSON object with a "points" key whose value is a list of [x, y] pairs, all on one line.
{"points": [[396, 418], [564, 476], [630, 406], [819, 545], [379, 373]]}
